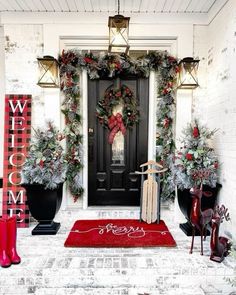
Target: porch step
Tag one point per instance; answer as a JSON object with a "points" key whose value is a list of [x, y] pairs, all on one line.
{"points": [[108, 212], [37, 290], [49, 268], [111, 213]]}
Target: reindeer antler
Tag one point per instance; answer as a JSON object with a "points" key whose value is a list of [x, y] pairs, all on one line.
{"points": [[221, 212], [226, 214]]}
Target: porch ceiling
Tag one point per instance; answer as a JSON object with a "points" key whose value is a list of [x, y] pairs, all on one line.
{"points": [[110, 6]]}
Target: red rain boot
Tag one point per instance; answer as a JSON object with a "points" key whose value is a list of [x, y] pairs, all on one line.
{"points": [[4, 259], [11, 241]]}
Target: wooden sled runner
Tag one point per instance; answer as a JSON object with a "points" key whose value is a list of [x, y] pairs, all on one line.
{"points": [[150, 192]]}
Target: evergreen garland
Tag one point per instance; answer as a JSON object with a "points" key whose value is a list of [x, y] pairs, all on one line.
{"points": [[71, 110], [166, 68]]}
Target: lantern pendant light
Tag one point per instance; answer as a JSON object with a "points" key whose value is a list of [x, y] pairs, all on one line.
{"points": [[48, 72], [118, 33], [188, 73]]}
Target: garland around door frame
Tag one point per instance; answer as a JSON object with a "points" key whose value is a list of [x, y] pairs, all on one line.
{"points": [[72, 62]]}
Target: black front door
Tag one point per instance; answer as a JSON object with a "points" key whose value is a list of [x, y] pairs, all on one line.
{"points": [[111, 167]]}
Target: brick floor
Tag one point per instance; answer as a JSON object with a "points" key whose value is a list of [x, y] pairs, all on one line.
{"points": [[49, 268]]}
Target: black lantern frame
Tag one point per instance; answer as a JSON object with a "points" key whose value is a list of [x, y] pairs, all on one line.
{"points": [[118, 33], [187, 78], [48, 72]]}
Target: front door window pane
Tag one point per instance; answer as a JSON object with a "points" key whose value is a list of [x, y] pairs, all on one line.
{"points": [[118, 143]]}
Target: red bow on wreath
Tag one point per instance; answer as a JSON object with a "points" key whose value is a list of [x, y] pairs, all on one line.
{"points": [[115, 124]]}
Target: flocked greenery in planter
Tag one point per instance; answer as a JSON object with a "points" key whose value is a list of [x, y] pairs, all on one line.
{"points": [[196, 162], [45, 163]]}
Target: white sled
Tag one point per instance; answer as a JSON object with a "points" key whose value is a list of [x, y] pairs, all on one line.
{"points": [[150, 192]]}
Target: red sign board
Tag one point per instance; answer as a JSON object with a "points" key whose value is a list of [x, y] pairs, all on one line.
{"points": [[16, 141]]}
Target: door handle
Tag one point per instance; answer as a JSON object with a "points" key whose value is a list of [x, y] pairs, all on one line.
{"points": [[90, 131], [90, 143]]}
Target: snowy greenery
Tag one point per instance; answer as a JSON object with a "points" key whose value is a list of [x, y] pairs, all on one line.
{"points": [[72, 62], [45, 163], [196, 162]]}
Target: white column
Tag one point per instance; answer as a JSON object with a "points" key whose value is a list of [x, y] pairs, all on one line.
{"points": [[183, 112], [84, 98], [183, 117], [52, 106], [152, 117]]}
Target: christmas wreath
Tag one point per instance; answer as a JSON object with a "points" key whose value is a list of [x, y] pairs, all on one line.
{"points": [[117, 122]]}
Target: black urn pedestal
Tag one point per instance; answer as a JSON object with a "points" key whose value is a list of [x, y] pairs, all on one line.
{"points": [[185, 204], [43, 206], [46, 228]]}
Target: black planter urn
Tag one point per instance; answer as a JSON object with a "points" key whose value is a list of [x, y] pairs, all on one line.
{"points": [[43, 206], [185, 204]]}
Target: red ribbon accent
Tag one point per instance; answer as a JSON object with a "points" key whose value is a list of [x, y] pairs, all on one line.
{"points": [[115, 124]]}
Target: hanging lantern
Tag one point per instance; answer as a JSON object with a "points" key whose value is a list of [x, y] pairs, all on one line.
{"points": [[188, 73], [48, 72], [118, 33]]}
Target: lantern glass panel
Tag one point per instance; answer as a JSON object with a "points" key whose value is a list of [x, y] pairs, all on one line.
{"points": [[188, 73], [48, 72], [118, 34]]}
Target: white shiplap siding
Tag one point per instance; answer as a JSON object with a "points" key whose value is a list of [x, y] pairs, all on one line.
{"points": [[110, 6]]}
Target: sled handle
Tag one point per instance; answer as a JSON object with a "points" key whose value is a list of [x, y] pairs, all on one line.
{"points": [[150, 171], [151, 162]]}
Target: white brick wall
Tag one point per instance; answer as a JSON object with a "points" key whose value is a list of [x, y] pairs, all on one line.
{"points": [[215, 101], [23, 44], [2, 93]]}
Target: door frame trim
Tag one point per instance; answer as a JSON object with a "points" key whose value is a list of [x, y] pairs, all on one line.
{"points": [[152, 119], [84, 42], [151, 127], [84, 83]]}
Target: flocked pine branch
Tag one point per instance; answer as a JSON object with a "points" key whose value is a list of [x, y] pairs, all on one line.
{"points": [[45, 163], [196, 162], [113, 65]]}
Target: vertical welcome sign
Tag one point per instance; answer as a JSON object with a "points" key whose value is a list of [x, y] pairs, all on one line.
{"points": [[16, 141]]}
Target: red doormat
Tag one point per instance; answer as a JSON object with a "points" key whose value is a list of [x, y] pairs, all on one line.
{"points": [[119, 233]]}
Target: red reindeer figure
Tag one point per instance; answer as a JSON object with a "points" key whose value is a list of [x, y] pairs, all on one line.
{"points": [[220, 246], [199, 219]]}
